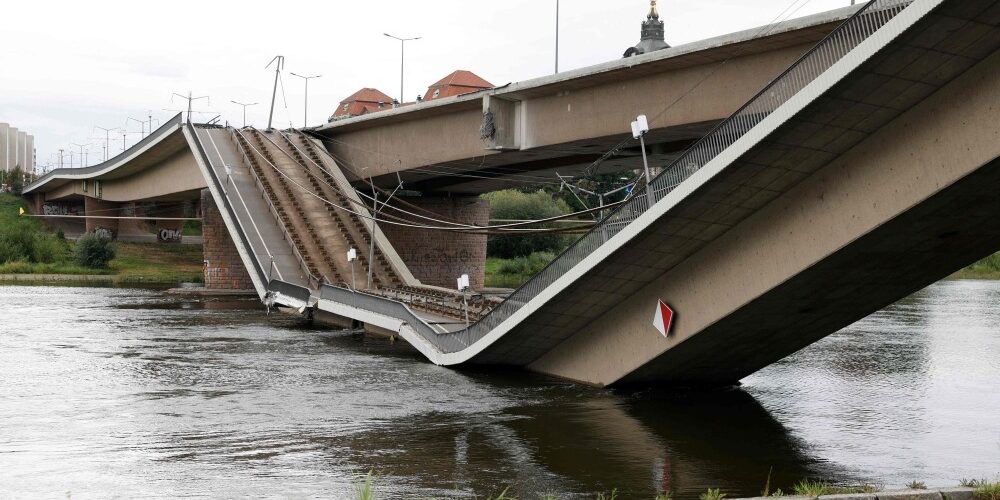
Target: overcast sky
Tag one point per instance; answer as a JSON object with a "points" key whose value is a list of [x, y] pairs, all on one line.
{"points": [[67, 66]]}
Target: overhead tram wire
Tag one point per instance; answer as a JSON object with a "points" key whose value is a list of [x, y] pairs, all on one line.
{"points": [[512, 228], [384, 203], [457, 171]]}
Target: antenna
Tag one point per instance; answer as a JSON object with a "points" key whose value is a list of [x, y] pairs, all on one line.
{"points": [[190, 100], [274, 94]]}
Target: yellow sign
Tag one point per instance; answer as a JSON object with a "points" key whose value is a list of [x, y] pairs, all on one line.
{"points": [[20, 210]]}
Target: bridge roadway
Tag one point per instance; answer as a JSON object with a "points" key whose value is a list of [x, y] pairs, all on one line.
{"points": [[864, 172]]}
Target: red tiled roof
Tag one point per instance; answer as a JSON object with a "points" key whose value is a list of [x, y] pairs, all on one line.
{"points": [[464, 78], [363, 101], [459, 82]]}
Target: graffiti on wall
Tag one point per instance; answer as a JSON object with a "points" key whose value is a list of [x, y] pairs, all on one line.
{"points": [[168, 235], [61, 209]]}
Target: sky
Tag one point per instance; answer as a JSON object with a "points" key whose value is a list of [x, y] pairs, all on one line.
{"points": [[69, 66]]}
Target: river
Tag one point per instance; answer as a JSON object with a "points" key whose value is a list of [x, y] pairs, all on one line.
{"points": [[131, 392]]}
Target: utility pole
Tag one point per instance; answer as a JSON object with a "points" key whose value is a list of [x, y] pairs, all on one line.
{"points": [[107, 139], [402, 60], [274, 94], [244, 109], [190, 99], [305, 117], [60, 158]]}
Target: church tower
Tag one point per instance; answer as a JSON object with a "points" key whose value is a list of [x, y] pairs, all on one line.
{"points": [[652, 38]]}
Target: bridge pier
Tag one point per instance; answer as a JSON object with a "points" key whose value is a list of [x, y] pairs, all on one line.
{"points": [[93, 207], [224, 270], [438, 257]]}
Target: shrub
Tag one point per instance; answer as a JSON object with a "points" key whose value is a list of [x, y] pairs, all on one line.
{"points": [[527, 266], [712, 495], [93, 251], [46, 248], [510, 204]]}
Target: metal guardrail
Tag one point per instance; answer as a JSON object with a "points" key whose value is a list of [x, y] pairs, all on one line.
{"points": [[811, 65], [228, 203], [93, 169]]}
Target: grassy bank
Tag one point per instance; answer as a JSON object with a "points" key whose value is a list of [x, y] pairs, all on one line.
{"points": [[27, 246], [512, 273], [986, 269]]}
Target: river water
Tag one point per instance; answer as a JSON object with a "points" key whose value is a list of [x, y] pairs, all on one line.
{"points": [[128, 392]]}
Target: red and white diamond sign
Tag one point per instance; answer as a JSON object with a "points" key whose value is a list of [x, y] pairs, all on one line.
{"points": [[663, 318]]}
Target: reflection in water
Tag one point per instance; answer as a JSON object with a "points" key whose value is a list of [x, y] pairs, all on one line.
{"points": [[139, 393]]}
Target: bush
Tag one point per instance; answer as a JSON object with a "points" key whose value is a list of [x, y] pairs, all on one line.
{"points": [[93, 251], [510, 204]]}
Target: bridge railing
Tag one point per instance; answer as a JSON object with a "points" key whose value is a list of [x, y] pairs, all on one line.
{"points": [[227, 205], [823, 56]]}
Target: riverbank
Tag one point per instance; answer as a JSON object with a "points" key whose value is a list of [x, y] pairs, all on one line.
{"points": [[32, 252]]}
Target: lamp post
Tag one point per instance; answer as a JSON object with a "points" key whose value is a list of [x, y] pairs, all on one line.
{"points": [[352, 255], [557, 36], [107, 139], [305, 113], [402, 59], [244, 110], [82, 163], [639, 128]]}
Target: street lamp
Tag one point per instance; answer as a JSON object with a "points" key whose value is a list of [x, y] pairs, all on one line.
{"points": [[639, 128], [244, 110], [557, 36], [402, 55], [107, 139], [305, 117]]}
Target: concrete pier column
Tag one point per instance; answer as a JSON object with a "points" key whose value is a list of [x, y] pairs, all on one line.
{"points": [[102, 208], [224, 269], [169, 231], [438, 257]]}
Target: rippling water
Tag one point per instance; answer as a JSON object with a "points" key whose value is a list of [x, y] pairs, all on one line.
{"points": [[136, 393]]}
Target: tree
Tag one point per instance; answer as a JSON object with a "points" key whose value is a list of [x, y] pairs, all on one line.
{"points": [[511, 204]]}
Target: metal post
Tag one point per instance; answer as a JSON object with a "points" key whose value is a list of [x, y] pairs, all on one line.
{"points": [[274, 94], [402, 59], [465, 303], [557, 36], [371, 251], [305, 114], [645, 166]]}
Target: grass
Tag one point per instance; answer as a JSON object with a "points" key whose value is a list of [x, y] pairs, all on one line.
{"points": [[916, 485], [158, 263], [366, 489], [988, 268], [512, 273], [712, 495], [985, 490]]}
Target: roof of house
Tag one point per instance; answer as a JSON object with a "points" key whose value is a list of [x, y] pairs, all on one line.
{"points": [[458, 82]]}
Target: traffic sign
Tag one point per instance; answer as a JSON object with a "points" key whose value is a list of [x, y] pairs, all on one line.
{"points": [[663, 318]]}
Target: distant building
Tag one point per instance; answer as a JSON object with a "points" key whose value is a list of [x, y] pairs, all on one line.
{"points": [[457, 83], [652, 38], [17, 149], [362, 102]]}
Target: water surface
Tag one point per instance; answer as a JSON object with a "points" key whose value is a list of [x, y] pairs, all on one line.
{"points": [[137, 393]]}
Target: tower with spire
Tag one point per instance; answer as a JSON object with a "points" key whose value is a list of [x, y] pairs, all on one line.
{"points": [[652, 38]]}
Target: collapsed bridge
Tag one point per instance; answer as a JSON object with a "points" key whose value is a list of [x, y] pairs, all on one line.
{"points": [[863, 171]]}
